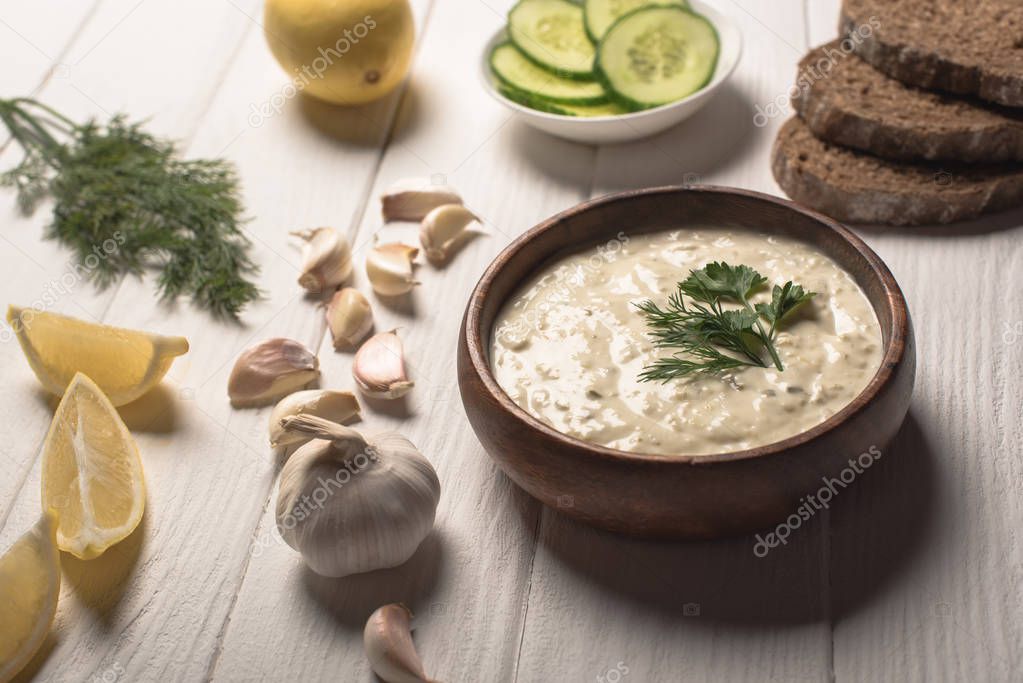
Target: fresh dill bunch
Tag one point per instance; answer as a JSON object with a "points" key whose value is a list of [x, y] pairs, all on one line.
{"points": [[126, 198], [709, 338]]}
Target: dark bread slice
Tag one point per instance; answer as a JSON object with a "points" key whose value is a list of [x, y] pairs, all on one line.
{"points": [[859, 188], [847, 102], [968, 47]]}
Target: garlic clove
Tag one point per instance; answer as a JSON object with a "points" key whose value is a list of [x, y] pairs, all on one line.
{"points": [[326, 259], [270, 370], [389, 268], [349, 317], [412, 199], [336, 406], [441, 227], [379, 367], [387, 640], [351, 504]]}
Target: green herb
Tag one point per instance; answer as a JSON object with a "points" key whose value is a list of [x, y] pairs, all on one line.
{"points": [[710, 338], [124, 197]]}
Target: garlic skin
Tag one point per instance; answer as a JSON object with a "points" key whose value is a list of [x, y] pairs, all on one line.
{"points": [[336, 406], [349, 318], [379, 367], [269, 370], [441, 228], [389, 268], [326, 259], [412, 199], [352, 504], [387, 640]]}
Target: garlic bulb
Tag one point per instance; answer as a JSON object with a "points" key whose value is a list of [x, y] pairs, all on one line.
{"points": [[379, 367], [269, 370], [389, 268], [387, 640], [412, 199], [441, 228], [349, 317], [351, 504], [326, 259], [336, 406]]}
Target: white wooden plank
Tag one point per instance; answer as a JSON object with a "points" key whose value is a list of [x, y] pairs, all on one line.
{"points": [[35, 37], [173, 70], [927, 563], [142, 609], [821, 20], [468, 585], [627, 601]]}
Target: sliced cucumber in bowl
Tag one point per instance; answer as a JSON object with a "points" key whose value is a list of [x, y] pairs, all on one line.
{"points": [[551, 34], [599, 15], [513, 69], [656, 55]]}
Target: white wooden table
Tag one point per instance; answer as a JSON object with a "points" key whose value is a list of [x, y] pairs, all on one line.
{"points": [[916, 573]]}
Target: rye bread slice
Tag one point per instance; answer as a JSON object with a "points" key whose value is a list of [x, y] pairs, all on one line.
{"points": [[968, 47], [856, 187], [846, 101]]}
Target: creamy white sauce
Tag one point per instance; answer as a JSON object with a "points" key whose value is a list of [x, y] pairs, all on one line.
{"points": [[568, 347]]}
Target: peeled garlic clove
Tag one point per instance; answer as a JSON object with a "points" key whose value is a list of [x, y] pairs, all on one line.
{"points": [[326, 259], [441, 228], [379, 367], [387, 640], [270, 370], [349, 317], [411, 200], [336, 406], [389, 268], [352, 504]]}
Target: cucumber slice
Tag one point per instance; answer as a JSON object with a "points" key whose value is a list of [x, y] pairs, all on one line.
{"points": [[656, 55], [600, 14], [513, 69], [540, 104], [551, 33], [589, 110], [532, 101]]}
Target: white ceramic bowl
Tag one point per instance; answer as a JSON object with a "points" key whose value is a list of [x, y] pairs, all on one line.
{"points": [[599, 130]]}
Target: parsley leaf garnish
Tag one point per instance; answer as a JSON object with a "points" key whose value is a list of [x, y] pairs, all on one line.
{"points": [[709, 338]]}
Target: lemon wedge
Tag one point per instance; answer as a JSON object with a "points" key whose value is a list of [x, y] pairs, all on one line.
{"points": [[29, 586], [92, 475], [124, 363]]}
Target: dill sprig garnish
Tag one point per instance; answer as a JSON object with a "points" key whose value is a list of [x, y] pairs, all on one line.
{"points": [[117, 182], [710, 338]]}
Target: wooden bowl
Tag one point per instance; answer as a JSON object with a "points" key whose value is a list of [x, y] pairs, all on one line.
{"points": [[667, 496]]}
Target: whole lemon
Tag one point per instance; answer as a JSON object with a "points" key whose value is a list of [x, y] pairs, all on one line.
{"points": [[342, 51]]}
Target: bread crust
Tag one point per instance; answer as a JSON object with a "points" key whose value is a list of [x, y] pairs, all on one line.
{"points": [[860, 107], [855, 187], [949, 68]]}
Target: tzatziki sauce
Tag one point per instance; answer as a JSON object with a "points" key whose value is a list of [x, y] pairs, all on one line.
{"points": [[569, 346]]}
